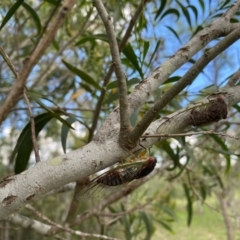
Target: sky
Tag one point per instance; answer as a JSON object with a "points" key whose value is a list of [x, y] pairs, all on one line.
{"points": [[226, 63]]}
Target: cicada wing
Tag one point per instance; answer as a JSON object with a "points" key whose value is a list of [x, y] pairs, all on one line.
{"points": [[96, 190], [110, 181], [107, 183], [88, 190]]}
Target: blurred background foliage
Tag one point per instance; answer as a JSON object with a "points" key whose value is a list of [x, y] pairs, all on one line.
{"points": [[64, 89]]}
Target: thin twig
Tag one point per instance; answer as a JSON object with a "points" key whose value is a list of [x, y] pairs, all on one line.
{"points": [[138, 207], [8, 61], [61, 108], [227, 221], [110, 71], [191, 134], [33, 133], [51, 15], [234, 78], [30, 223], [78, 233], [125, 125]]}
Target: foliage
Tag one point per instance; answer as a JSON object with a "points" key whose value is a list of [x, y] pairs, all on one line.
{"points": [[66, 83]]}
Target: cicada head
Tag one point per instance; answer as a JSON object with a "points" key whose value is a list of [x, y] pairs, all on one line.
{"points": [[146, 167]]}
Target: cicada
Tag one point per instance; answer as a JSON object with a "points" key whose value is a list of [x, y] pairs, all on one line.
{"points": [[117, 177]]}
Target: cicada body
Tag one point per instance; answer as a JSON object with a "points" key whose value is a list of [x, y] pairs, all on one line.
{"points": [[117, 177]]}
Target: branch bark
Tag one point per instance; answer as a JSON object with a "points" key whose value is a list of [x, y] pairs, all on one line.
{"points": [[111, 69], [34, 183], [125, 125]]}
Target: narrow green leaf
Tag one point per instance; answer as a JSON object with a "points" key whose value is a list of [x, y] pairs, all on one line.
{"points": [[54, 2], [216, 15], [189, 204], [83, 75], [219, 141], [237, 107], [56, 114], [164, 224], [148, 225], [182, 168], [224, 4], [171, 11], [175, 33], [198, 29], [159, 11], [234, 20], [24, 146], [202, 5], [168, 211], [203, 192], [195, 11], [185, 13], [172, 79], [130, 82], [100, 36], [11, 12], [130, 54], [64, 132], [145, 49], [155, 51], [34, 16], [55, 44], [36, 97], [127, 50], [191, 61], [167, 148], [127, 225]]}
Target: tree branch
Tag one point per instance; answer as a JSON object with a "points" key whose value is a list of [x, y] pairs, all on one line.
{"points": [[189, 134], [234, 78], [8, 61], [219, 27], [43, 228], [125, 125], [17, 90], [34, 183], [186, 80], [45, 27], [29, 223], [111, 69]]}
